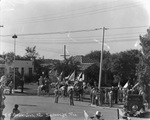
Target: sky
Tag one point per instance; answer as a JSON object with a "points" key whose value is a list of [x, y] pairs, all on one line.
{"points": [[51, 24]]}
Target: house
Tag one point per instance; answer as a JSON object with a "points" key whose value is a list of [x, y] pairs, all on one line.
{"points": [[24, 67], [85, 64], [90, 68]]}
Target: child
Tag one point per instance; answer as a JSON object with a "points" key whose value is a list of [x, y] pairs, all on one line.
{"points": [[15, 111]]}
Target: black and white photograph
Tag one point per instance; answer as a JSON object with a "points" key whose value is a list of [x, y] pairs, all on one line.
{"points": [[74, 59]]}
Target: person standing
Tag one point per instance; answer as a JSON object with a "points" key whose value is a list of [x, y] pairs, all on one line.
{"points": [[2, 98], [22, 84], [56, 95], [10, 87], [110, 98], [97, 97], [71, 96], [40, 81]]}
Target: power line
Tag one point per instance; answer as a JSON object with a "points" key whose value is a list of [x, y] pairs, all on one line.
{"points": [[128, 27], [119, 7], [77, 42], [40, 41], [84, 37], [79, 9], [75, 31], [50, 33]]}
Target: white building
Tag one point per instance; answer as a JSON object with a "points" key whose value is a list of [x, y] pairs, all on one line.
{"points": [[25, 67]]}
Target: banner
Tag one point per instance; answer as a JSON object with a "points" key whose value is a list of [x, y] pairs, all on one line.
{"points": [[126, 85], [72, 76], [119, 84], [60, 76], [136, 85], [81, 77], [86, 116]]}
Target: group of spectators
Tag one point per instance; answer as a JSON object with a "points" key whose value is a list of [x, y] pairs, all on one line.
{"points": [[113, 95]]}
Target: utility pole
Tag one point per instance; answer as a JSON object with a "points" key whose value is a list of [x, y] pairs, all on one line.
{"points": [[0, 39], [65, 55], [101, 58]]}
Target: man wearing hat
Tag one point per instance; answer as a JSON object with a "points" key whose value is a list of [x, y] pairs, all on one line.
{"points": [[98, 116]]}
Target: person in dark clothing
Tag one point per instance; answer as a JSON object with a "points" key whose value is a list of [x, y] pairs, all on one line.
{"points": [[116, 95], [56, 95], [10, 87], [15, 111], [71, 96], [65, 90]]}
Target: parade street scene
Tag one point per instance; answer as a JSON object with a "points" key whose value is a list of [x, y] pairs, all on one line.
{"points": [[74, 60]]}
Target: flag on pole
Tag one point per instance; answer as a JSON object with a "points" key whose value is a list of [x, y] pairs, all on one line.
{"points": [[60, 76], [67, 77], [81, 77], [119, 84], [78, 78], [126, 85], [137, 84], [72, 76], [86, 116], [55, 73]]}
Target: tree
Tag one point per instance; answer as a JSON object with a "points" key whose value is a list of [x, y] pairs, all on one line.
{"points": [[31, 52], [67, 66], [9, 57], [124, 66], [106, 73], [144, 65]]}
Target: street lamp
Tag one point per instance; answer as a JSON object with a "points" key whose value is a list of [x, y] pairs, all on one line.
{"points": [[0, 39], [14, 37]]}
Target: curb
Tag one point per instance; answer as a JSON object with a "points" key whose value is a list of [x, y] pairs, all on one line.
{"points": [[107, 107]]}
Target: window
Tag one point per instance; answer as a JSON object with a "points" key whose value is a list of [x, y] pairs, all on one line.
{"points": [[22, 71], [30, 71], [16, 69]]}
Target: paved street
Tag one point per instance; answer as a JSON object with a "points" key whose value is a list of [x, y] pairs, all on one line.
{"points": [[60, 111], [46, 104]]}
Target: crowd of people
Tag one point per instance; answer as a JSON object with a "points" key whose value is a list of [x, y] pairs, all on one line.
{"points": [[105, 95]]}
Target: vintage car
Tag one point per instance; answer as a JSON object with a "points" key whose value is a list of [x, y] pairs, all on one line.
{"points": [[32, 116], [134, 105]]}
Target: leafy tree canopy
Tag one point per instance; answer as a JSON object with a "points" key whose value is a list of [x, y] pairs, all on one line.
{"points": [[31, 52], [124, 65]]}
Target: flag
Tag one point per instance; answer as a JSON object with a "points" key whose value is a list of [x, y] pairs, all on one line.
{"points": [[86, 116], [126, 85], [72, 76], [3, 80], [137, 84], [119, 84], [67, 77], [78, 78], [56, 73], [81, 77], [60, 76]]}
